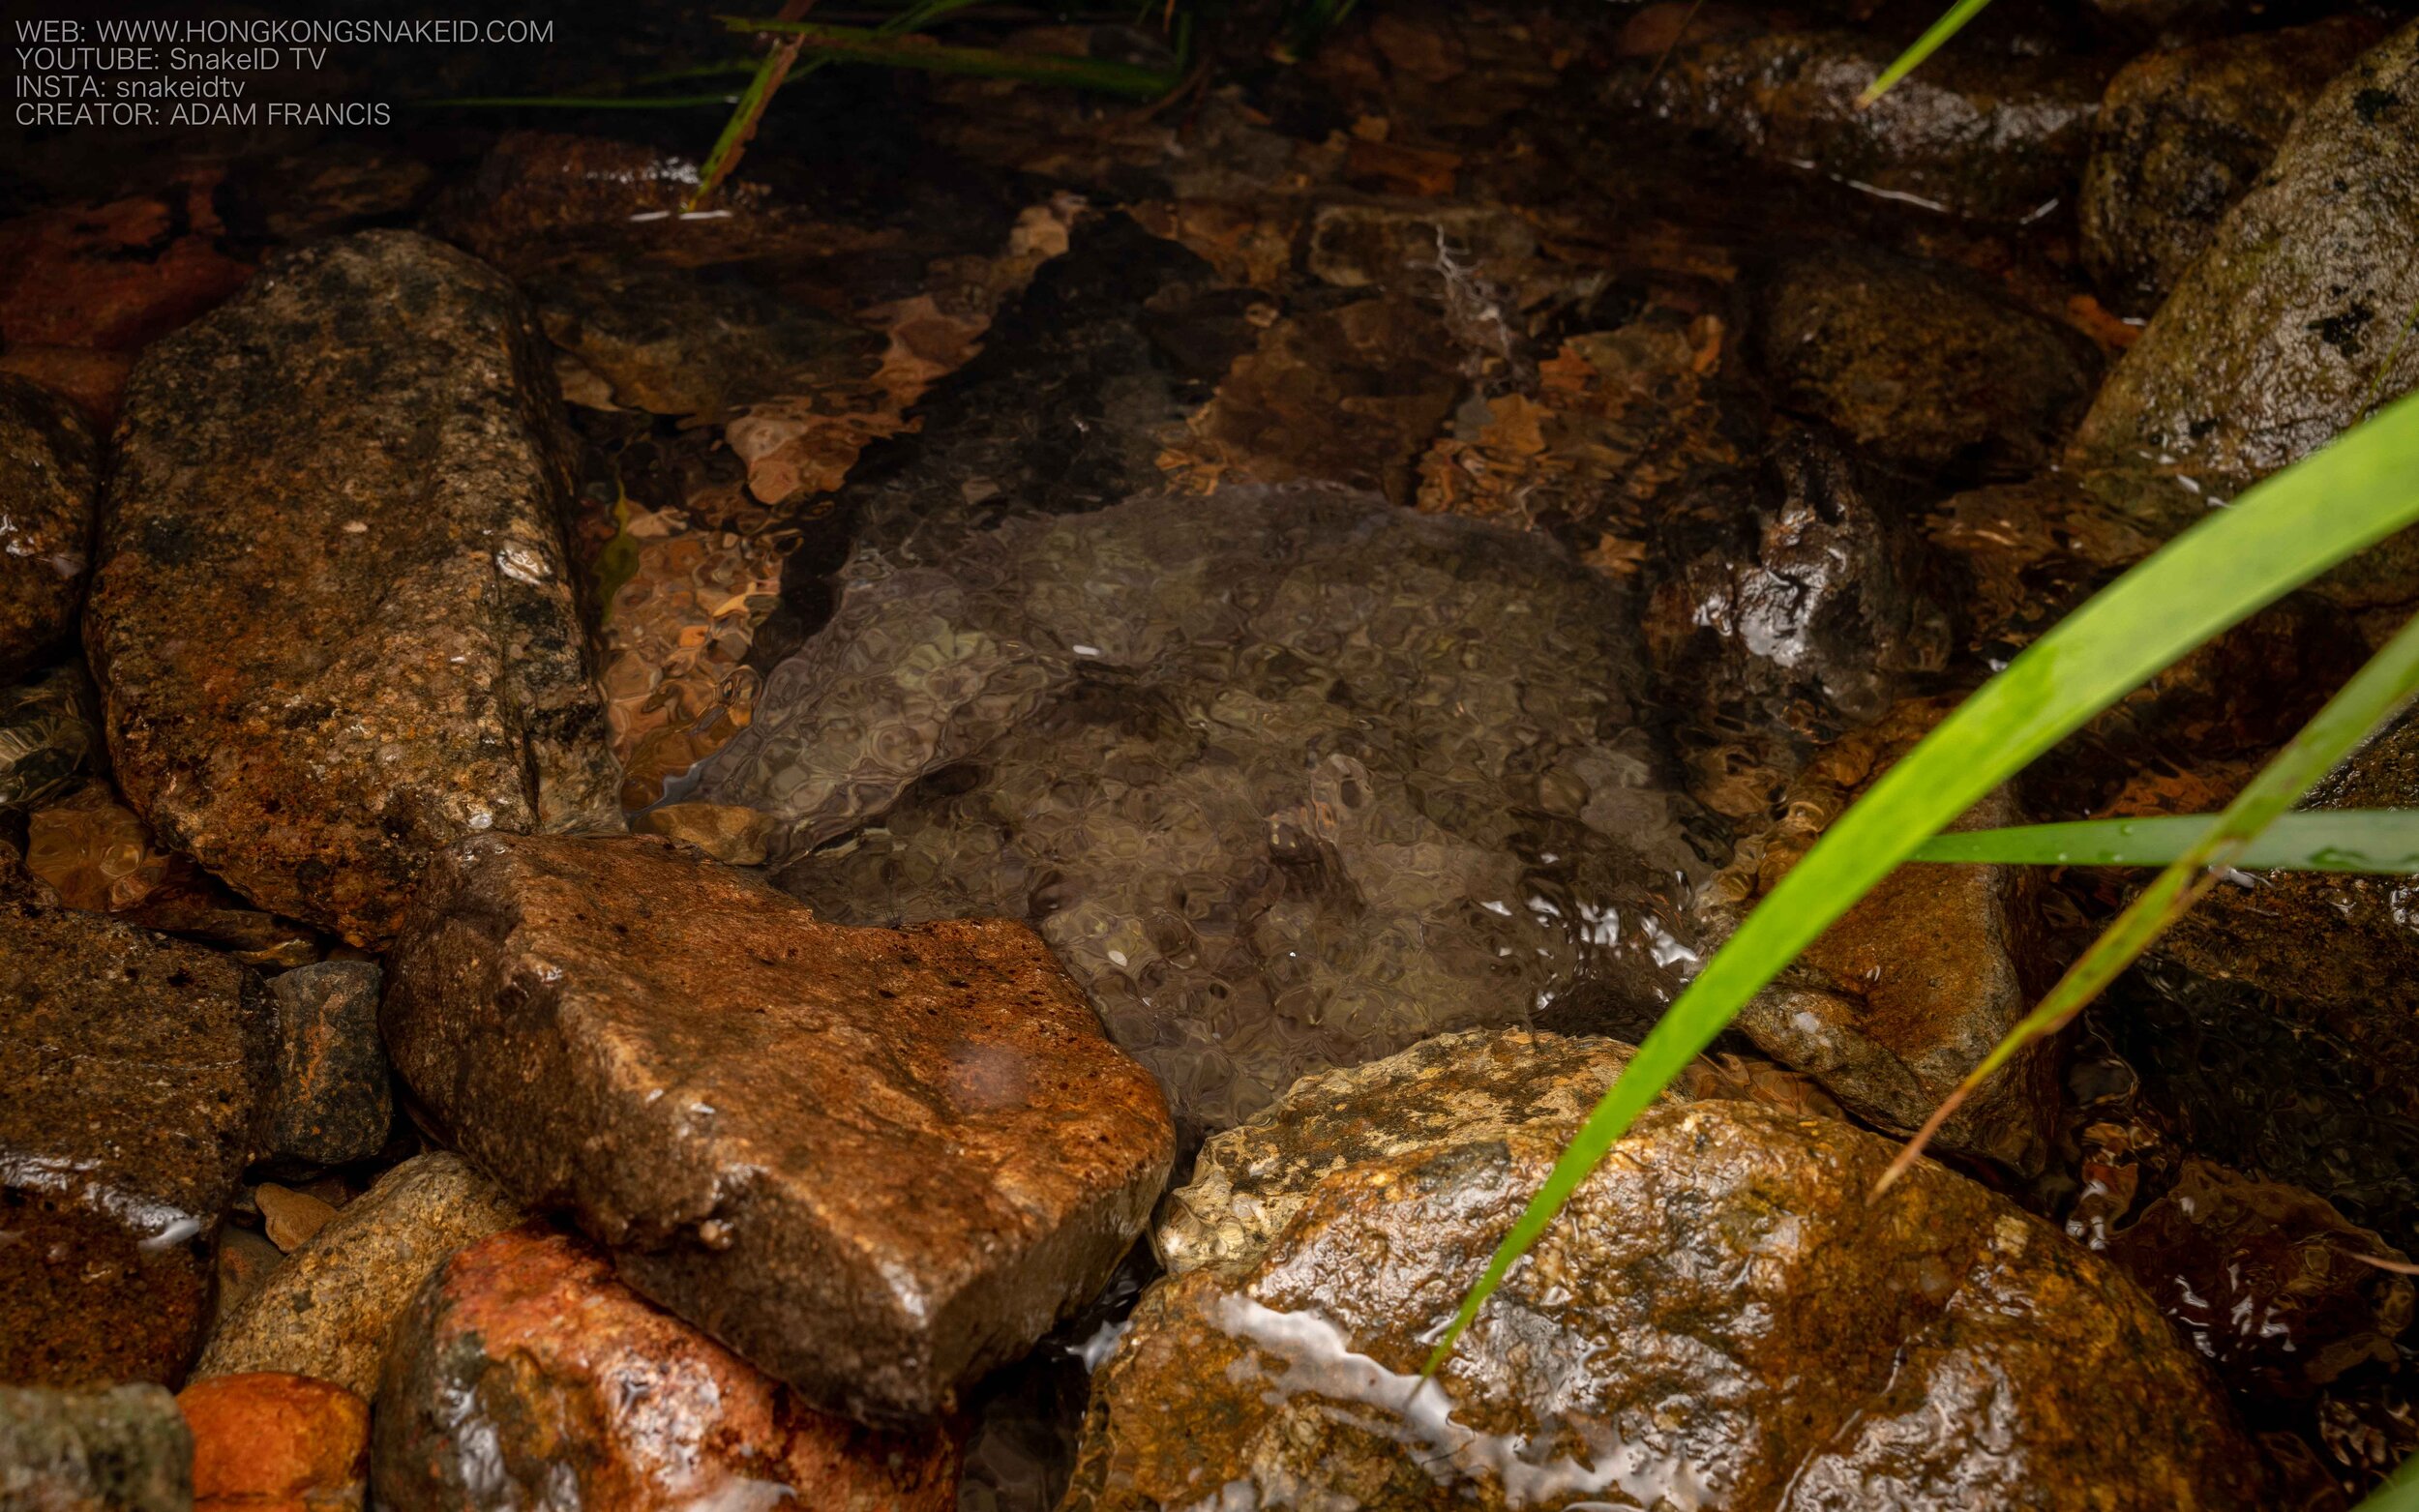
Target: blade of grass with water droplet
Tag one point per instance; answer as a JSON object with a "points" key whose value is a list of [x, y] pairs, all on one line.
{"points": [[1949, 25], [2276, 536], [2383, 840], [2378, 689]]}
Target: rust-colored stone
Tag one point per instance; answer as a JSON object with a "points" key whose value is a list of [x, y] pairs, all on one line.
{"points": [[115, 276], [332, 619], [1721, 1318], [874, 1162], [48, 472], [269, 1443], [132, 1073], [333, 1104], [528, 1374]]}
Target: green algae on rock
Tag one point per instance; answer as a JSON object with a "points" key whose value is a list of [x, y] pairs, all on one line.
{"points": [[876, 1162], [1720, 1319], [332, 620], [1289, 779]]}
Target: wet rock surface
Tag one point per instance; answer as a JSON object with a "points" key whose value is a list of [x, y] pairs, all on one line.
{"points": [[124, 1449], [873, 1162], [1978, 134], [2182, 134], [528, 1374], [327, 1312], [334, 1103], [2282, 332], [366, 443], [49, 733], [1251, 768], [50, 469], [1907, 992], [133, 1072], [1922, 363], [275, 1443], [1719, 1318]]}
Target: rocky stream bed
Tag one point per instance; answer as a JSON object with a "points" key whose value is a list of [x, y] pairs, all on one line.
{"points": [[959, 836]]}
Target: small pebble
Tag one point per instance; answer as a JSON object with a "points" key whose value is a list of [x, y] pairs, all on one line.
{"points": [[290, 1217]]}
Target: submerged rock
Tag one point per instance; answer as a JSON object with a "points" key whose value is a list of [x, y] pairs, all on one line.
{"points": [[1289, 779], [526, 1374], [2284, 331], [327, 1312], [48, 472], [275, 1443], [1994, 137], [1251, 1180], [333, 1100], [1922, 363], [874, 1162], [125, 1450], [2183, 135], [1721, 1318], [366, 445], [133, 1074], [1907, 991]]}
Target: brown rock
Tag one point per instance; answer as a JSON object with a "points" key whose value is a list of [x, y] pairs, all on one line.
{"points": [[2265, 1280], [113, 277], [526, 1373], [333, 1104], [725, 831], [1907, 992], [246, 1259], [326, 1313], [49, 732], [132, 1074], [1251, 1180], [94, 379], [2183, 135], [1992, 137], [874, 1162], [121, 1450], [2284, 331], [290, 1217], [48, 473], [1920, 362], [267, 1443], [1721, 1318], [366, 443]]}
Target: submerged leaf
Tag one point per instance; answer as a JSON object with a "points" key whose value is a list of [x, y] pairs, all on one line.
{"points": [[2276, 536]]}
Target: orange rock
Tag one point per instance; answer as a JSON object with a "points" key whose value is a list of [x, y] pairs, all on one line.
{"points": [[113, 277], [525, 1360], [268, 1441]]}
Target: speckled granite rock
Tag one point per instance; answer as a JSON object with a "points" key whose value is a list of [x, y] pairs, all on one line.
{"points": [[121, 1450], [1251, 1180], [133, 1072], [2183, 135], [333, 1104], [1288, 778], [269, 1443], [366, 446], [1911, 987], [2275, 338], [328, 1310], [527, 1373], [1720, 1319], [1920, 362], [48, 472], [873, 1162], [1994, 136]]}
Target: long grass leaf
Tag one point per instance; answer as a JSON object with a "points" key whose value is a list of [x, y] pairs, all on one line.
{"points": [[2399, 1494], [2323, 840], [2378, 689], [1947, 26], [860, 44], [2275, 537]]}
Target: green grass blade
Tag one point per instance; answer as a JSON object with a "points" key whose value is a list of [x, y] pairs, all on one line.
{"points": [[2275, 537], [2378, 689], [861, 44], [1947, 26], [2324, 839], [2399, 1494]]}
